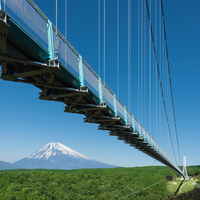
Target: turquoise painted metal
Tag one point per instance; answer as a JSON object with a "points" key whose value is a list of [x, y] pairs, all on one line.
{"points": [[100, 91], [50, 41], [139, 131], [81, 76], [115, 105], [144, 134], [133, 122], [125, 115]]}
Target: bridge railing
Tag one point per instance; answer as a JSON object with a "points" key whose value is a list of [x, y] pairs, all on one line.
{"points": [[30, 18], [91, 79], [67, 55]]}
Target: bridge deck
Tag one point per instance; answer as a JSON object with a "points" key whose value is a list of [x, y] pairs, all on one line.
{"points": [[28, 56]]}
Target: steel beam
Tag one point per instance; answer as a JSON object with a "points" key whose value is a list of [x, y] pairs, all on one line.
{"points": [[45, 85], [107, 119], [26, 74], [61, 95], [97, 107]]}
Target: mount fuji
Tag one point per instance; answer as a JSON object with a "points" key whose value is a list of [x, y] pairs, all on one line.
{"points": [[59, 156]]}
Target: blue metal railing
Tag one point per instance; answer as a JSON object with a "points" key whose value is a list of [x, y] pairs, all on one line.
{"points": [[30, 18]]}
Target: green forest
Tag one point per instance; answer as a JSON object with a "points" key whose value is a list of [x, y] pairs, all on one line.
{"points": [[116, 183]]}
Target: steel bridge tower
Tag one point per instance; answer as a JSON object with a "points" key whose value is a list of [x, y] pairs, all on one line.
{"points": [[184, 168]]}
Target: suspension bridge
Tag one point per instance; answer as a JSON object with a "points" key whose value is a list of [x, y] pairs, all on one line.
{"points": [[28, 42]]}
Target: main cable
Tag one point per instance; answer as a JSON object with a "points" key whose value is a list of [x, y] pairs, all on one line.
{"points": [[150, 75], [170, 80], [160, 80], [156, 87]]}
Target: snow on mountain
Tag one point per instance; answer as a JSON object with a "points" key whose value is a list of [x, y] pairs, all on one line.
{"points": [[58, 156], [53, 149]]}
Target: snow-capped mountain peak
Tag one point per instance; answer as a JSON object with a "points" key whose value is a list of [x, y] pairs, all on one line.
{"points": [[56, 148], [58, 156]]}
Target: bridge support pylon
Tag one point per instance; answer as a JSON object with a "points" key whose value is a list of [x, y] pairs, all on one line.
{"points": [[184, 168]]}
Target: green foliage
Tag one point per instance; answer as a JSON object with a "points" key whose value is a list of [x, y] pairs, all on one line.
{"points": [[193, 170], [86, 184]]}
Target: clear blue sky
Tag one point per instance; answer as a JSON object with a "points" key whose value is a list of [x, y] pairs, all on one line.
{"points": [[27, 123]]}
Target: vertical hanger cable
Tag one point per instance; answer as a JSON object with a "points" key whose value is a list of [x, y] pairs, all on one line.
{"points": [[99, 39], [104, 50], [56, 52], [118, 48]]}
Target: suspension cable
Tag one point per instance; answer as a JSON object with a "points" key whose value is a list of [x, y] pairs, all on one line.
{"points": [[170, 80], [142, 181], [138, 58], [65, 19], [65, 32], [156, 87], [133, 180], [142, 189], [148, 177], [150, 75], [118, 48], [56, 52], [104, 50], [160, 80], [129, 54], [142, 63], [144, 67], [99, 32]]}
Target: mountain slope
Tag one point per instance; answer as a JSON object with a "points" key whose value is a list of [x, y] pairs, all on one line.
{"points": [[58, 156], [6, 165]]}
